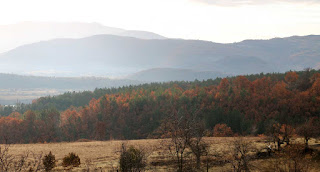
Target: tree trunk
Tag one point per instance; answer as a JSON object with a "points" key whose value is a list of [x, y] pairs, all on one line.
{"points": [[198, 161], [181, 163], [307, 145]]}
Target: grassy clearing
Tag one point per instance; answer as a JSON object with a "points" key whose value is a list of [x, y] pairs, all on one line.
{"points": [[11, 96], [105, 154]]}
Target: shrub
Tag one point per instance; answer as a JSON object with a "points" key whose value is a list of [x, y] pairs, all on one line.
{"points": [[132, 159], [222, 130], [71, 160], [49, 161]]}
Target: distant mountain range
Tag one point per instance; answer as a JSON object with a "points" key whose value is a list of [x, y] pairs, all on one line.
{"points": [[160, 59], [83, 56], [14, 35]]}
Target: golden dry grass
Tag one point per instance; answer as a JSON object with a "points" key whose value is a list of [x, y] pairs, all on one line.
{"points": [[104, 155]]}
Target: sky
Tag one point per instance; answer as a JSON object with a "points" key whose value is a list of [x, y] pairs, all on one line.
{"points": [[223, 21]]}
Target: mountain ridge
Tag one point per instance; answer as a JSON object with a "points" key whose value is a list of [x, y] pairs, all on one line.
{"points": [[110, 55], [15, 35]]}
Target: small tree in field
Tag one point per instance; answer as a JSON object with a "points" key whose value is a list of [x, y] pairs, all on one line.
{"points": [[185, 130], [196, 143], [308, 130], [281, 134], [179, 129], [71, 160], [49, 161], [275, 134], [222, 130], [132, 159], [287, 132], [239, 152]]}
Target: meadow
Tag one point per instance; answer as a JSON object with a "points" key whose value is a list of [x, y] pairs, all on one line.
{"points": [[104, 155]]}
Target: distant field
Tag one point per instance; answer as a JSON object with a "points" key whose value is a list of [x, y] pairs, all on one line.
{"points": [[25, 88], [11, 96], [104, 154]]}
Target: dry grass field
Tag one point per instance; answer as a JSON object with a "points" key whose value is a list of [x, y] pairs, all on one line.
{"points": [[11, 96], [104, 155]]}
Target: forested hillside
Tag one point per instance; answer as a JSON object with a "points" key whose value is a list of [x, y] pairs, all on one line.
{"points": [[247, 104]]}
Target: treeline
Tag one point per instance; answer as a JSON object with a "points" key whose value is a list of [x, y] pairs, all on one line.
{"points": [[77, 99], [82, 98], [247, 104]]}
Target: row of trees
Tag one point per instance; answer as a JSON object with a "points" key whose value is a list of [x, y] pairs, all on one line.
{"points": [[78, 99], [246, 106]]}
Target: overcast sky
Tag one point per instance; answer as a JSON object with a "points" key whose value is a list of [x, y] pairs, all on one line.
{"points": [[214, 20]]}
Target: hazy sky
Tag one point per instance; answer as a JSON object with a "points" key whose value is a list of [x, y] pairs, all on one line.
{"points": [[214, 20]]}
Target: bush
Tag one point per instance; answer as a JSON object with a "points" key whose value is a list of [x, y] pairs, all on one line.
{"points": [[71, 160], [49, 161], [132, 159], [222, 130]]}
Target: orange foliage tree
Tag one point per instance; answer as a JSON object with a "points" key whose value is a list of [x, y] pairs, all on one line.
{"points": [[222, 130]]}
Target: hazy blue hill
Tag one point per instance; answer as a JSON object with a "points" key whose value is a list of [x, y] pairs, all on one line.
{"points": [[110, 55], [141, 34], [14, 35], [290, 52]]}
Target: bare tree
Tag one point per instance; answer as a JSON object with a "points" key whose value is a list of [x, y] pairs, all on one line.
{"points": [[5, 158], [239, 152], [18, 163], [196, 143], [36, 163], [186, 131], [21, 163], [179, 130]]}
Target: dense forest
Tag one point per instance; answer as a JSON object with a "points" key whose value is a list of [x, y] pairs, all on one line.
{"points": [[249, 105]]}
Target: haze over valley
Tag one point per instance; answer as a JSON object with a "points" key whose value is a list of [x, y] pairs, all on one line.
{"points": [[111, 55], [123, 57], [160, 85]]}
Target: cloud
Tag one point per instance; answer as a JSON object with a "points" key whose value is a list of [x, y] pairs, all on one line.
{"points": [[254, 2]]}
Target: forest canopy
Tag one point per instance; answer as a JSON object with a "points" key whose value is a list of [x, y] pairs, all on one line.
{"points": [[247, 105]]}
